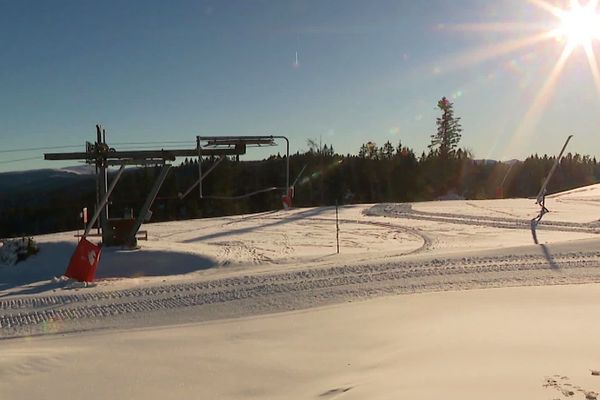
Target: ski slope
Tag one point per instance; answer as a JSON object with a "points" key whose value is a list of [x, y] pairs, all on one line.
{"points": [[285, 260], [262, 306]]}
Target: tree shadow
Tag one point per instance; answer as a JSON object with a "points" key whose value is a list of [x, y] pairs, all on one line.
{"points": [[51, 261], [35, 274]]}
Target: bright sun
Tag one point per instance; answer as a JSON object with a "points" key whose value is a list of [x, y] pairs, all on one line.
{"points": [[579, 25]]}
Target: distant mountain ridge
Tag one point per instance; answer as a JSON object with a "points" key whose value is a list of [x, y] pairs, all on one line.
{"points": [[42, 179]]}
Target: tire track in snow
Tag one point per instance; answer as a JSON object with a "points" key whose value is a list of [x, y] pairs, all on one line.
{"points": [[406, 211], [427, 241], [296, 289], [489, 209]]}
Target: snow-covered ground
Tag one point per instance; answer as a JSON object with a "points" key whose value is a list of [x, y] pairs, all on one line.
{"points": [[210, 273], [509, 343]]}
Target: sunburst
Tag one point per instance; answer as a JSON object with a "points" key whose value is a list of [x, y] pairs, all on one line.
{"points": [[579, 24], [577, 27]]}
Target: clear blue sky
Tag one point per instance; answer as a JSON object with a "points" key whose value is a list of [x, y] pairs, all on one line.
{"points": [[368, 71]]}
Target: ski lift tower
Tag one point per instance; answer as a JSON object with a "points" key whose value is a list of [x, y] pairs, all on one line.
{"points": [[209, 145], [103, 156]]}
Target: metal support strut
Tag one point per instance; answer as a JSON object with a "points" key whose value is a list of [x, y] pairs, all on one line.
{"points": [[103, 201], [145, 211], [202, 176]]}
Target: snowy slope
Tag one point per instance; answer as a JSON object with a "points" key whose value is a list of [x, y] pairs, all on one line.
{"points": [[521, 339], [388, 248]]}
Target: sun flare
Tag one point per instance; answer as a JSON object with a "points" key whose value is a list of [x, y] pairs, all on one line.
{"points": [[580, 24], [575, 27]]}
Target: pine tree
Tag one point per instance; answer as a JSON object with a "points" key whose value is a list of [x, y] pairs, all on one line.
{"points": [[399, 148], [387, 151], [372, 151], [448, 131], [362, 153]]}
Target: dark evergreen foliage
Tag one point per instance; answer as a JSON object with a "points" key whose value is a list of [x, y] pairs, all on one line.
{"points": [[445, 141], [376, 174], [386, 175]]}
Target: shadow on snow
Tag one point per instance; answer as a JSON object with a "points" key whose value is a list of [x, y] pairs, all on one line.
{"points": [[280, 221], [35, 274]]}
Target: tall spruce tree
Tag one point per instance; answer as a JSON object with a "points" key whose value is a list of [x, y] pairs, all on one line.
{"points": [[447, 137]]}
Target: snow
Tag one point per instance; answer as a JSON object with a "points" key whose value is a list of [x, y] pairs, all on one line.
{"points": [[481, 344], [262, 306]]}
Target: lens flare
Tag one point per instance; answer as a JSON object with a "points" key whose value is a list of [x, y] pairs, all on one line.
{"points": [[576, 26], [490, 52], [589, 51], [533, 115], [579, 25], [315, 175]]}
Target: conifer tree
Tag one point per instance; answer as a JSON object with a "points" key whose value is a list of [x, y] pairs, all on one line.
{"points": [[387, 151], [362, 153], [372, 150], [447, 137]]}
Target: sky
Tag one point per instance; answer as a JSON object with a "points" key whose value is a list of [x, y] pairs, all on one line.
{"points": [[153, 71]]}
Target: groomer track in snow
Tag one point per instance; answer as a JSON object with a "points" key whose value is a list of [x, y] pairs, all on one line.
{"points": [[272, 292], [230, 267]]}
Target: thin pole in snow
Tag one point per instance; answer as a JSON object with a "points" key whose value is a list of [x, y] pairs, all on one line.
{"points": [[337, 228]]}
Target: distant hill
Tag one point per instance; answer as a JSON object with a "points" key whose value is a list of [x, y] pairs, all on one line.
{"points": [[41, 180]]}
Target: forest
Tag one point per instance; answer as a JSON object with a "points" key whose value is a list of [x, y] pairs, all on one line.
{"points": [[386, 173]]}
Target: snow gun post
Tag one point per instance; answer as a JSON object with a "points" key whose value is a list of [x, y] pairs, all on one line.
{"points": [[541, 197]]}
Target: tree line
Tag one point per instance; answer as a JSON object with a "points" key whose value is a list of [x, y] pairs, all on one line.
{"points": [[376, 173]]}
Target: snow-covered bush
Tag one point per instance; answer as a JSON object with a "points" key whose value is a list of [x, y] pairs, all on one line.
{"points": [[14, 250]]}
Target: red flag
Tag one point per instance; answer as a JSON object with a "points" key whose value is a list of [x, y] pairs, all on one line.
{"points": [[84, 261]]}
